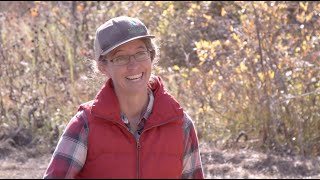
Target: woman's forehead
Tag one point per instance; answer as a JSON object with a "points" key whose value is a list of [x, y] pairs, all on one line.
{"points": [[129, 46]]}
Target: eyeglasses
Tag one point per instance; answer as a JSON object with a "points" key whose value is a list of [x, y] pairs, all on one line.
{"points": [[124, 60]]}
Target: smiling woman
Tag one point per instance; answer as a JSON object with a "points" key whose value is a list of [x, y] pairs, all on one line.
{"points": [[133, 128]]}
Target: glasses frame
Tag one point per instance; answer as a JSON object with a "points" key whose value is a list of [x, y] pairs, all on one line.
{"points": [[105, 60]]}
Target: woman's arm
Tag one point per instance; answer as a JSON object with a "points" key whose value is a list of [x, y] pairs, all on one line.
{"points": [[192, 166], [71, 151]]}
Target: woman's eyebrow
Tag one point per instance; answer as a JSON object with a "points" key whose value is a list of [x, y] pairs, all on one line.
{"points": [[120, 50], [114, 53]]}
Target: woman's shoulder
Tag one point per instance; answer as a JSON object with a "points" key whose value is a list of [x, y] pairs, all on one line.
{"points": [[85, 105], [186, 120]]}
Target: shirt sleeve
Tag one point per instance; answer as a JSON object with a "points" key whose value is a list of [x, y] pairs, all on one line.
{"points": [[70, 154], [192, 165]]}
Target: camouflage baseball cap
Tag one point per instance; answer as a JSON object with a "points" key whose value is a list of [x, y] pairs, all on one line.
{"points": [[117, 31]]}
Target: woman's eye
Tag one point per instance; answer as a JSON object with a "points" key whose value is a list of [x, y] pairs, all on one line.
{"points": [[141, 54], [122, 58]]}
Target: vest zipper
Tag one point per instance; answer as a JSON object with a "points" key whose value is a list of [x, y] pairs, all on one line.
{"points": [[138, 141], [137, 146], [138, 158]]}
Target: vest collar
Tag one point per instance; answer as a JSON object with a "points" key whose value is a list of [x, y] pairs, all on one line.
{"points": [[165, 107]]}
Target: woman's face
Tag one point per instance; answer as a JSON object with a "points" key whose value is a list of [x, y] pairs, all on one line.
{"points": [[133, 77]]}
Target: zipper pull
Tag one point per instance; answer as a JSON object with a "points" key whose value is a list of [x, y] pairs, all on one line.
{"points": [[138, 143]]}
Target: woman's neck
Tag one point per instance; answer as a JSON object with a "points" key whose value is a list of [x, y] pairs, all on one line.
{"points": [[132, 105]]}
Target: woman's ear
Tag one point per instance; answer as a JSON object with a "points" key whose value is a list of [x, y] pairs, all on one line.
{"points": [[103, 68]]}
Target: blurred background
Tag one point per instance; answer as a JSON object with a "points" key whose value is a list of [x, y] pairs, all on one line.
{"points": [[246, 72]]}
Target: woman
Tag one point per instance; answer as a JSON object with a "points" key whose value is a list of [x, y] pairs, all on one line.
{"points": [[133, 128]]}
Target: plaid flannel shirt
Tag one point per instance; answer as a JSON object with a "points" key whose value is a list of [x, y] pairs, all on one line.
{"points": [[70, 154]]}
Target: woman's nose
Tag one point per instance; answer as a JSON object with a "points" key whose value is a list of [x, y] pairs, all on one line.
{"points": [[132, 62]]}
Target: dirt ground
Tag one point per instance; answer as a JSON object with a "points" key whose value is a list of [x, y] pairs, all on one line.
{"points": [[226, 164], [250, 164]]}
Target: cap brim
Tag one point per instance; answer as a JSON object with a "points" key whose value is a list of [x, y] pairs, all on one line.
{"points": [[119, 44]]}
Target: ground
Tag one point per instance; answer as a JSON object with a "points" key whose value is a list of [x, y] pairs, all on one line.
{"points": [[251, 164], [31, 163]]}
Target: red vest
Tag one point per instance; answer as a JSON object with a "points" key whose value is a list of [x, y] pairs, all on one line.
{"points": [[113, 151]]}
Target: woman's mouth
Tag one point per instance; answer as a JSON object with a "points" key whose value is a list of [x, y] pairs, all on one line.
{"points": [[135, 77]]}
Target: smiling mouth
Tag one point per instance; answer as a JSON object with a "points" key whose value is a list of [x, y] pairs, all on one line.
{"points": [[135, 77]]}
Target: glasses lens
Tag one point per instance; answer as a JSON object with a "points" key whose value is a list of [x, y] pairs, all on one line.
{"points": [[142, 55], [139, 56], [121, 60]]}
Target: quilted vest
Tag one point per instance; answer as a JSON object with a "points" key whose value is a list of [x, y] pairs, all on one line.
{"points": [[113, 152]]}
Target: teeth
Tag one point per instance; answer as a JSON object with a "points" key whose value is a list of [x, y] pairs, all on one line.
{"points": [[135, 76]]}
